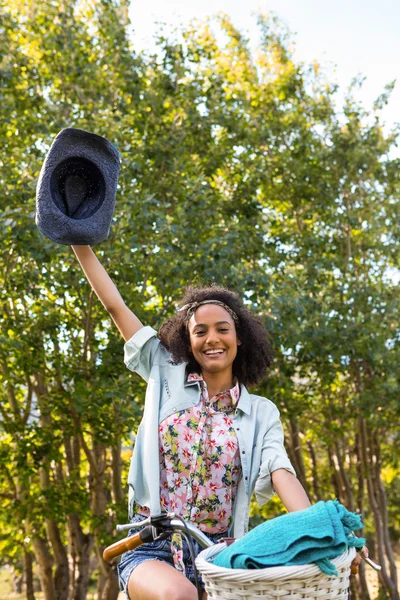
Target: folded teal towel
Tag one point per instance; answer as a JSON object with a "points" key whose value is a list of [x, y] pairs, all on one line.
{"points": [[313, 535]]}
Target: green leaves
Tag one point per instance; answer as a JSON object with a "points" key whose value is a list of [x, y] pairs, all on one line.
{"points": [[237, 168]]}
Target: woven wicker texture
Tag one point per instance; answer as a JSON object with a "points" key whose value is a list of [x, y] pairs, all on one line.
{"points": [[277, 583]]}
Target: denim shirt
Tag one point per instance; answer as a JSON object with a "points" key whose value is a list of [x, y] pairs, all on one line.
{"points": [[256, 421]]}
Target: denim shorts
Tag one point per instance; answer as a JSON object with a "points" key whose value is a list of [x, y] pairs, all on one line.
{"points": [[158, 551]]}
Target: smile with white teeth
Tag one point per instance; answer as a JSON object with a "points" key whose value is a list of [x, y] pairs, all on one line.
{"points": [[219, 351]]}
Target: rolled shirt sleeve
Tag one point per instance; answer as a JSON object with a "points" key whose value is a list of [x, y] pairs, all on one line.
{"points": [[142, 351], [273, 457]]}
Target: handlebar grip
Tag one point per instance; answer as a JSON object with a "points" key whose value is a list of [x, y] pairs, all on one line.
{"points": [[118, 548]]}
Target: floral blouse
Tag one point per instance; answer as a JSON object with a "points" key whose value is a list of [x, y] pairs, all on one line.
{"points": [[200, 464]]}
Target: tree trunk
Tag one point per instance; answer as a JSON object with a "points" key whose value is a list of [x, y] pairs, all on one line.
{"points": [[314, 471], [111, 588], [347, 487], [17, 581], [80, 548], [372, 470], [383, 508], [362, 587], [101, 581], [28, 568], [118, 494], [335, 476], [44, 560], [297, 453], [61, 571]]}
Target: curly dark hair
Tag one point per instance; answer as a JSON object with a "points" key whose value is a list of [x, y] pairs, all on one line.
{"points": [[254, 354]]}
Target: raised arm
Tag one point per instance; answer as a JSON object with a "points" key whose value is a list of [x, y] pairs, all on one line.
{"points": [[106, 291]]}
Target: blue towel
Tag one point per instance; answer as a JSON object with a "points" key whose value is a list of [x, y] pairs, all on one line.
{"points": [[316, 534]]}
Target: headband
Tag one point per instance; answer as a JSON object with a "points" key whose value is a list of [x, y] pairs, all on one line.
{"points": [[193, 306]]}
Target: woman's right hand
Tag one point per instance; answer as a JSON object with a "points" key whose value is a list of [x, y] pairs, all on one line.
{"points": [[107, 292]]}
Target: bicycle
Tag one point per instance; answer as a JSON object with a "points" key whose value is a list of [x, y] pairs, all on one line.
{"points": [[157, 528]]}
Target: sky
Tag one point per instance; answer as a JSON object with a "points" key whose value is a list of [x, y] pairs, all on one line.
{"points": [[347, 37]]}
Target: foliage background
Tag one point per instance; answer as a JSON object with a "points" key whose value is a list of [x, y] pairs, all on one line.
{"points": [[237, 168]]}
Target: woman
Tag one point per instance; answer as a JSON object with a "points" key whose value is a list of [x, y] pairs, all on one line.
{"points": [[217, 444]]}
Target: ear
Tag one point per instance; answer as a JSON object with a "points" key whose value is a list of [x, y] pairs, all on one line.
{"points": [[239, 343]]}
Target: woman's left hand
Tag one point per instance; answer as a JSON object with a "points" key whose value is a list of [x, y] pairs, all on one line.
{"points": [[358, 559]]}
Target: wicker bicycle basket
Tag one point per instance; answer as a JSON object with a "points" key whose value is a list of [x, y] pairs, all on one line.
{"points": [[276, 583]]}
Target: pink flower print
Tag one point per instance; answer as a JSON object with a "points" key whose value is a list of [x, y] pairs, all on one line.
{"points": [[213, 487], [178, 420], [227, 421], [230, 445], [194, 377], [222, 514], [179, 483], [201, 516], [176, 505], [164, 502], [178, 560], [188, 436], [169, 464], [227, 497], [186, 453], [218, 464], [221, 432]]}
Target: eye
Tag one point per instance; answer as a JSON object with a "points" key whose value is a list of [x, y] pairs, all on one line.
{"points": [[224, 329]]}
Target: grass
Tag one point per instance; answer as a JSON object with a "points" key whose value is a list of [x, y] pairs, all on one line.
{"points": [[7, 590], [7, 593]]}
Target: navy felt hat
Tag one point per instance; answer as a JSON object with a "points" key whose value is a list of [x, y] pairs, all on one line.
{"points": [[75, 194]]}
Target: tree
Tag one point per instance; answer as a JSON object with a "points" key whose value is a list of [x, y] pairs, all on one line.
{"points": [[237, 169]]}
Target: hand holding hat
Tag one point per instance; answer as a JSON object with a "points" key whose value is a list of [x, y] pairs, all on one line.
{"points": [[76, 190]]}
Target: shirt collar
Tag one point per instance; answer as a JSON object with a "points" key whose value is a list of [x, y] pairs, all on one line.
{"points": [[235, 391], [192, 379], [244, 403]]}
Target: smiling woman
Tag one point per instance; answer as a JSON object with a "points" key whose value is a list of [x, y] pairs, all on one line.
{"points": [[188, 329], [205, 443]]}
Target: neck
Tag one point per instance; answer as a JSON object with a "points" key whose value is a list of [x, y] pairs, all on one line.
{"points": [[218, 382]]}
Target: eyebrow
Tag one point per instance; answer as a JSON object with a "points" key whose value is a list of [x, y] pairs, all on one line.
{"points": [[217, 323]]}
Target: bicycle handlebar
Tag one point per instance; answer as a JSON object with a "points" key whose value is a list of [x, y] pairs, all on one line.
{"points": [[126, 526], [128, 543], [154, 527], [167, 523]]}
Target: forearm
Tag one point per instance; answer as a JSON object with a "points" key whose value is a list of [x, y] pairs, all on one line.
{"points": [[101, 282], [289, 490], [106, 291]]}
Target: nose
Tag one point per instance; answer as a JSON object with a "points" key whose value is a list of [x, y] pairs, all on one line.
{"points": [[212, 337]]}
